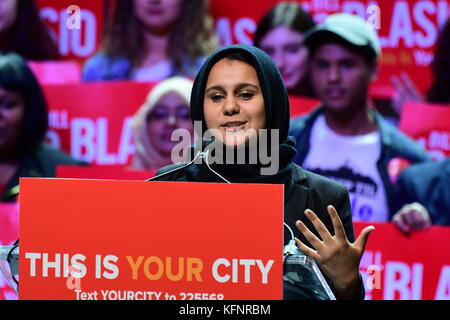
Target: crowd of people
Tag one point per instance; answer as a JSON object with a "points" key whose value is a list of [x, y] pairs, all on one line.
{"points": [[340, 151]]}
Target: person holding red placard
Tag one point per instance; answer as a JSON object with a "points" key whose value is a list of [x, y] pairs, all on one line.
{"points": [[23, 124], [344, 139], [242, 106], [153, 40], [280, 34]]}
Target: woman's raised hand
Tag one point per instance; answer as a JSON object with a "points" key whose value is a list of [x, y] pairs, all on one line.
{"points": [[336, 256]]}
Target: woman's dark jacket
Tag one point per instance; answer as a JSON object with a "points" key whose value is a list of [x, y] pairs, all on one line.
{"points": [[303, 189], [41, 164]]}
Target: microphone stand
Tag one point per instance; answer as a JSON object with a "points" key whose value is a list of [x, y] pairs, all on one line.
{"points": [[10, 254]]}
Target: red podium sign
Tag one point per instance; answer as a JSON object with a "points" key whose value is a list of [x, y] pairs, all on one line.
{"points": [[103, 172], [112, 240]]}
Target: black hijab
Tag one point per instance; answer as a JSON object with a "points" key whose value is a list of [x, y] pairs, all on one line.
{"points": [[276, 103]]}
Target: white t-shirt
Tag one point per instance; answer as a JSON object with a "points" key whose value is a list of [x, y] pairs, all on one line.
{"points": [[157, 72], [350, 160]]}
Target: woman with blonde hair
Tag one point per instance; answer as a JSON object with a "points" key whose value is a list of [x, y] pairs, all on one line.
{"points": [[165, 110], [153, 40]]}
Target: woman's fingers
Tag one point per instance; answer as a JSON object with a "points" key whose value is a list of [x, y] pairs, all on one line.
{"points": [[307, 250], [320, 227], [339, 230], [311, 237], [360, 243]]}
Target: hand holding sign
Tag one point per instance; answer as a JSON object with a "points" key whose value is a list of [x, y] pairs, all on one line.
{"points": [[412, 217], [337, 257]]}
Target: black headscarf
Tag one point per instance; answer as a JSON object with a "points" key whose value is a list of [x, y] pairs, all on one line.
{"points": [[276, 103], [275, 95]]}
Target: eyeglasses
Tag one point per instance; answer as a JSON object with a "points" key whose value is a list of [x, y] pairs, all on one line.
{"points": [[162, 113]]}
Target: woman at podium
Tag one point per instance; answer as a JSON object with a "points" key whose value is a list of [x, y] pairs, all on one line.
{"points": [[240, 108]]}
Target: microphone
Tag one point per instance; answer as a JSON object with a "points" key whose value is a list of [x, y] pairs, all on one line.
{"points": [[200, 155], [302, 272], [11, 255]]}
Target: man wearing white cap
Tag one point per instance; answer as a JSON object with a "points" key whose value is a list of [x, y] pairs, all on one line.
{"points": [[344, 138]]}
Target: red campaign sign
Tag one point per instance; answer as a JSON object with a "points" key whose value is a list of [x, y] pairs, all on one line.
{"points": [[9, 233], [428, 124], [399, 267], [408, 30], [56, 72], [394, 266], [92, 121], [73, 42], [122, 241], [300, 105], [103, 172]]}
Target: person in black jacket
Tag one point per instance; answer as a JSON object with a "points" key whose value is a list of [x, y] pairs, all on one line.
{"points": [[23, 124], [237, 94]]}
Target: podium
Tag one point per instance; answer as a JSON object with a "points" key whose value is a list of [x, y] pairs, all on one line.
{"points": [[138, 240]]}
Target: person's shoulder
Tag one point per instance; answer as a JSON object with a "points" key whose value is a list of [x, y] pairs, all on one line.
{"points": [[399, 142], [97, 61], [103, 67], [55, 156], [173, 172], [190, 67], [299, 124], [429, 169], [45, 160], [299, 121]]}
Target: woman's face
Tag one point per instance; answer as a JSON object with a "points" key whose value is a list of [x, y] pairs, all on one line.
{"points": [[234, 103], [8, 14], [286, 49], [157, 15], [12, 112], [170, 112]]}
